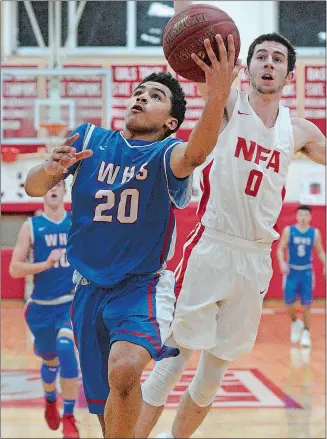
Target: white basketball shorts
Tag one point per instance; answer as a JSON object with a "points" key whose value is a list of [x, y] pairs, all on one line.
{"points": [[220, 285]]}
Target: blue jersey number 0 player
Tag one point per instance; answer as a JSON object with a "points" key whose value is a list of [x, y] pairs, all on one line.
{"points": [[298, 241], [126, 187]]}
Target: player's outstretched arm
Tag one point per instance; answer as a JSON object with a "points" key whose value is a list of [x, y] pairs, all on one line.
{"points": [[18, 266], [42, 178], [309, 140], [319, 249], [282, 246], [219, 78]]}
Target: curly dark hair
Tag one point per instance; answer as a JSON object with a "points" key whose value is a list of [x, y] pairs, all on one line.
{"points": [[274, 36], [178, 102]]}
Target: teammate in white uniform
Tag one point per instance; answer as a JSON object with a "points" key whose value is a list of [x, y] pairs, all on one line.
{"points": [[226, 266]]}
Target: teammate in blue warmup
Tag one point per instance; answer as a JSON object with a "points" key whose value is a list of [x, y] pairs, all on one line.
{"points": [[126, 187], [47, 311], [298, 242]]}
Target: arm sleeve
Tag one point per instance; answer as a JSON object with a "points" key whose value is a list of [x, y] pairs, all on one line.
{"points": [[79, 144], [179, 189]]}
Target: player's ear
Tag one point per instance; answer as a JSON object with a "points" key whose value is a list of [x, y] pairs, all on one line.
{"points": [[172, 124], [289, 77]]}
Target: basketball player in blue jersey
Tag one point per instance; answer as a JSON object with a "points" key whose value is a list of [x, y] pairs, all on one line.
{"points": [[44, 237], [298, 241], [126, 187]]}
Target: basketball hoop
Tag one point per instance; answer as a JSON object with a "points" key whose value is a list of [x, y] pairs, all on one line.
{"points": [[55, 132], [9, 155]]}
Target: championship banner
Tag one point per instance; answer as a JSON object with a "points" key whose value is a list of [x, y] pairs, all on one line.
{"points": [[194, 108], [315, 95], [124, 79], [18, 97]]}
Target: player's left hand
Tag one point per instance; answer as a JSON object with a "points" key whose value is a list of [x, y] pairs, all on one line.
{"points": [[65, 156]]}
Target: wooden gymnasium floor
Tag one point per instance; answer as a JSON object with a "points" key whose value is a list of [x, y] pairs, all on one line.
{"points": [[276, 391]]}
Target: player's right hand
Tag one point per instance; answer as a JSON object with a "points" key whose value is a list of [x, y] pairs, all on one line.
{"points": [[65, 156], [54, 257]]}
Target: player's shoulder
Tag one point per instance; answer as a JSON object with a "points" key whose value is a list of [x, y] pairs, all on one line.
{"points": [[172, 141]]}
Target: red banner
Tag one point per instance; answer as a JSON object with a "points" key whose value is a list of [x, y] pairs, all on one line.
{"points": [[194, 107], [19, 94], [124, 79], [315, 95]]}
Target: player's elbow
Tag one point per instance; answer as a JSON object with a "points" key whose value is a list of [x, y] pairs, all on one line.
{"points": [[194, 160], [14, 271]]}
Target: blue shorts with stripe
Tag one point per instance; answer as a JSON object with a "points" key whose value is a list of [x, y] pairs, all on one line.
{"points": [[45, 321], [138, 310], [299, 282]]}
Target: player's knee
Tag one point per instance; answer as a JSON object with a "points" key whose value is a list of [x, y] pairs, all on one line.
{"points": [[67, 357], [123, 374], [207, 379], [163, 378], [52, 362], [49, 373]]}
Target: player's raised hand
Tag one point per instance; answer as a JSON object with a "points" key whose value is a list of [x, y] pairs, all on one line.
{"points": [[222, 71], [54, 256], [65, 156]]}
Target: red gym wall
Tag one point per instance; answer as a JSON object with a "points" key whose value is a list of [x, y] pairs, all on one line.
{"points": [[186, 220]]}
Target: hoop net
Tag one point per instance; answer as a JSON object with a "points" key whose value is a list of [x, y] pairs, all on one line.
{"points": [[55, 132]]}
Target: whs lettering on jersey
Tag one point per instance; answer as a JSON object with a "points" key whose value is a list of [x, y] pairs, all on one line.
{"points": [[257, 153], [109, 172], [55, 239], [301, 240]]}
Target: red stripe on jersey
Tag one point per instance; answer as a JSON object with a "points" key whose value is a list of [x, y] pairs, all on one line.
{"points": [[150, 310], [168, 234], [205, 187], [283, 193], [186, 256]]}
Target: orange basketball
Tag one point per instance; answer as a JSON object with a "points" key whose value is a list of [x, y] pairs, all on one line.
{"points": [[185, 33]]}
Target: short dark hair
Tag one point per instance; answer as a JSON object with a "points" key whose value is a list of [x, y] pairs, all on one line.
{"points": [[178, 102], [304, 207], [274, 36]]}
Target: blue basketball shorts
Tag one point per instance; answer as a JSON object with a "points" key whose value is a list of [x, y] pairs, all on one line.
{"points": [[138, 310], [299, 282], [45, 321]]}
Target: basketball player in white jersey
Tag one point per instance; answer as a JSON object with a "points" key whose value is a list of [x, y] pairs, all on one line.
{"points": [[226, 266]]}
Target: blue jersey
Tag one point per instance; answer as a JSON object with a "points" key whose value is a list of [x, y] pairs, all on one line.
{"points": [[123, 198], [48, 235], [300, 247]]}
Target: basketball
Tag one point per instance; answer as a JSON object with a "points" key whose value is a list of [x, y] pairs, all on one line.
{"points": [[185, 33]]}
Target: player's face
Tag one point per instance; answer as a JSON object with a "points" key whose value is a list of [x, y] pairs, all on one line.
{"points": [[303, 217], [149, 110], [55, 196], [268, 68]]}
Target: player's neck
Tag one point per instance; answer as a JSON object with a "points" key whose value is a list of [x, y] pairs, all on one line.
{"points": [[147, 137], [266, 106], [302, 228], [55, 213]]}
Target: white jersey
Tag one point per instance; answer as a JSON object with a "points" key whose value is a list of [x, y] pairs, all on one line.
{"points": [[244, 183]]}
